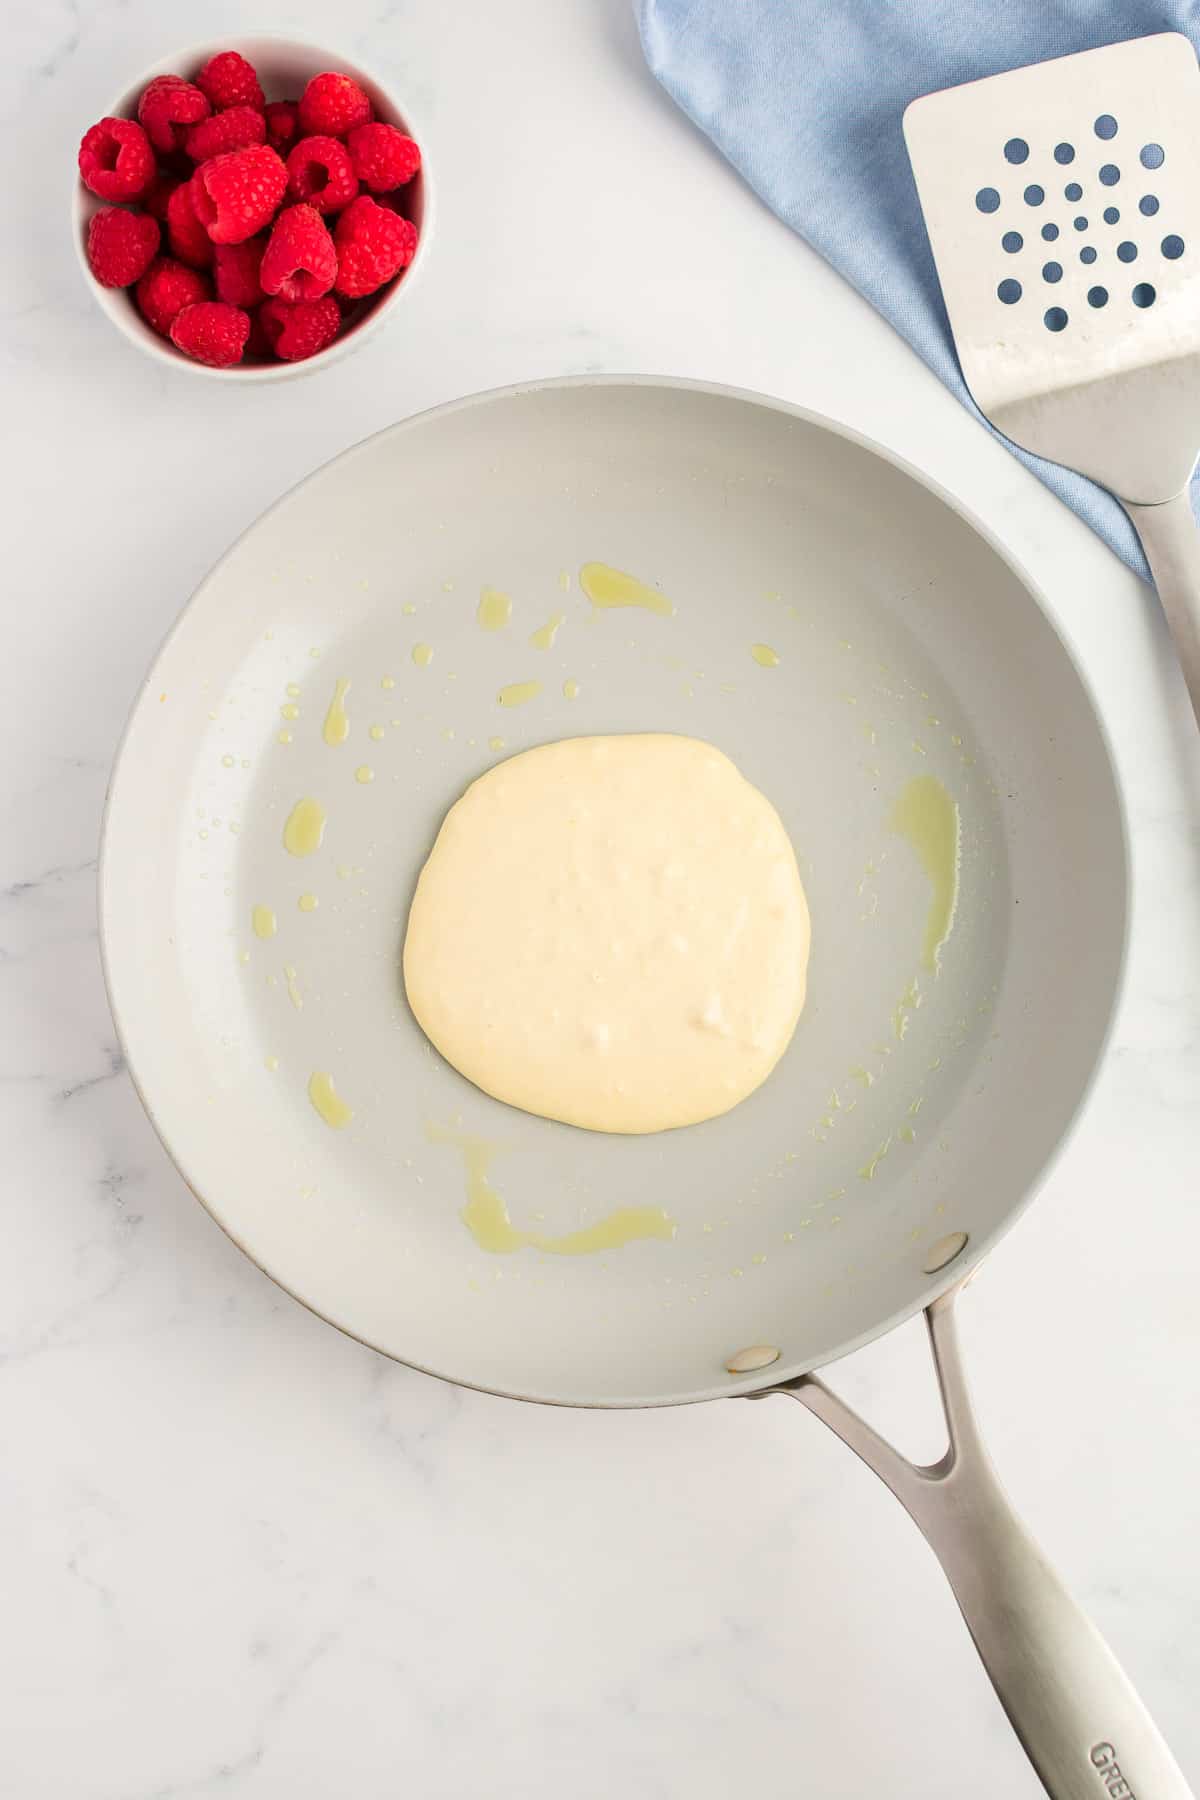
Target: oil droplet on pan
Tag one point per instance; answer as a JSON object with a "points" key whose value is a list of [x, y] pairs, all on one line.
{"points": [[543, 638], [263, 921], [764, 656], [422, 655], [494, 610], [305, 828], [327, 1101], [364, 774], [486, 1215], [336, 728], [308, 903], [927, 817], [607, 587], [518, 692], [570, 690]]}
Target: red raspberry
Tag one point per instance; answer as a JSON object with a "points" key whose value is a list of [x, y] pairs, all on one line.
{"points": [[185, 234], [320, 171], [236, 195], [332, 105], [373, 244], [235, 272], [258, 344], [167, 107], [157, 195], [115, 160], [234, 129], [283, 125], [165, 289], [383, 157], [121, 246], [211, 332], [300, 328], [227, 79], [299, 262]]}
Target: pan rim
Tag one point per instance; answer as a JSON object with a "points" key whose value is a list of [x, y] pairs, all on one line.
{"points": [[937, 1284]]}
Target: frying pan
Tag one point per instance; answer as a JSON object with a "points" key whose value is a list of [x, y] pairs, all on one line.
{"points": [[917, 1107]]}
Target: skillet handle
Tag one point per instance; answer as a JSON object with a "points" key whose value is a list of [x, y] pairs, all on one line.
{"points": [[1172, 545], [1082, 1725]]}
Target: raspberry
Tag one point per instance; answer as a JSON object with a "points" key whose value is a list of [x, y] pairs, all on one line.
{"points": [[331, 105], [185, 234], [156, 197], [234, 129], [121, 246], [373, 244], [383, 157], [300, 328], [299, 262], [167, 107], [320, 171], [235, 272], [283, 125], [115, 160], [236, 195], [211, 332], [165, 289], [227, 79], [258, 344]]}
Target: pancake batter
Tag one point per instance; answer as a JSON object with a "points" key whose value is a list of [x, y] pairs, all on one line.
{"points": [[611, 931]]}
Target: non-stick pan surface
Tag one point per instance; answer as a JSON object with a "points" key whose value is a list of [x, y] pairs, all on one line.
{"points": [[912, 1105]]}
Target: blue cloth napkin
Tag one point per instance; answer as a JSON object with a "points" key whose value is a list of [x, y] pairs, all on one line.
{"points": [[805, 99]]}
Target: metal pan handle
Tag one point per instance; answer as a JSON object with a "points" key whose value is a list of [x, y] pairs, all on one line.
{"points": [[1082, 1725]]}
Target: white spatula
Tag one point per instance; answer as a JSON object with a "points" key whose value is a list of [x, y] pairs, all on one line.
{"points": [[1063, 206]]}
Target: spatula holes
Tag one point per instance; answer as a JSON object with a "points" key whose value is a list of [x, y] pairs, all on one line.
{"points": [[1034, 195], [1098, 297], [1109, 175], [1064, 153], [1009, 292], [1087, 254], [1049, 232], [1143, 294], [1017, 151], [1080, 223], [987, 200], [1052, 271], [1012, 241], [1055, 318], [1172, 247], [1127, 252], [941, 1254], [1105, 127], [1111, 215], [1148, 205], [1073, 191], [1152, 156]]}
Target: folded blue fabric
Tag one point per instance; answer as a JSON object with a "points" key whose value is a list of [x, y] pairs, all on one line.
{"points": [[805, 99]]}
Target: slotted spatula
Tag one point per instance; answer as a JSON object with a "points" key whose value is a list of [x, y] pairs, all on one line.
{"points": [[1062, 203]]}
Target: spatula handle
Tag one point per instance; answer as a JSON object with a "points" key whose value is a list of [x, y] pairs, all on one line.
{"points": [[1172, 545], [1082, 1724]]}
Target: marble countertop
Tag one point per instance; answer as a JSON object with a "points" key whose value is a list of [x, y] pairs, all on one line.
{"points": [[243, 1556]]}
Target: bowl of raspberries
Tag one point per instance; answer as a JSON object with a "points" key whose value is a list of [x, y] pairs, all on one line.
{"points": [[251, 209]]}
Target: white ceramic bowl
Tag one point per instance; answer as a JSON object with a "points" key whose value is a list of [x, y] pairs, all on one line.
{"points": [[284, 65]]}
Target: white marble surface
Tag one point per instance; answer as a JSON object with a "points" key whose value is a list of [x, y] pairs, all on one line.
{"points": [[241, 1555]]}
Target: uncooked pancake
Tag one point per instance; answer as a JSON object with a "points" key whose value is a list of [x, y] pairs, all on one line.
{"points": [[611, 931]]}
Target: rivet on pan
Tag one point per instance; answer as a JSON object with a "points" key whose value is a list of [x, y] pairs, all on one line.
{"points": [[757, 1356], [945, 1251]]}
